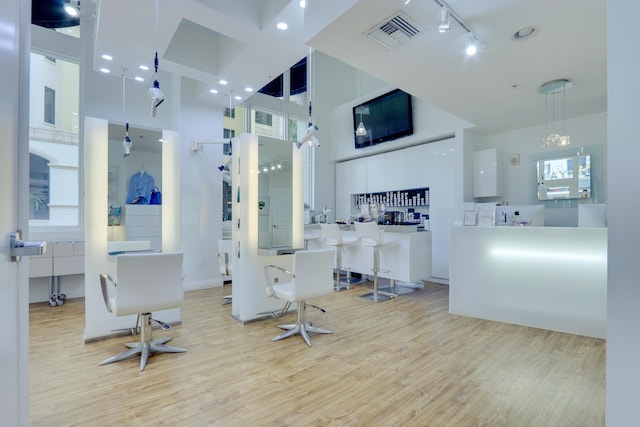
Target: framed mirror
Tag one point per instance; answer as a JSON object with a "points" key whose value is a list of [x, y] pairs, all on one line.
{"points": [[566, 177], [135, 185], [275, 192]]}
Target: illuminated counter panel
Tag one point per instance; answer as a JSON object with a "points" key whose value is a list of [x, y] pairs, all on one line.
{"points": [[545, 277]]}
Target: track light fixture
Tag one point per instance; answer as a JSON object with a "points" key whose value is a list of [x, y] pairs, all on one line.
{"points": [[446, 15], [472, 45], [72, 7], [445, 22]]}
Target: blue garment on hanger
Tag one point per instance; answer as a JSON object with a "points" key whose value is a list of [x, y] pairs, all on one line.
{"points": [[140, 187]]}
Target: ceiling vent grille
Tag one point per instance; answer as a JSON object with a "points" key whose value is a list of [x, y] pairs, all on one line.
{"points": [[395, 30]]}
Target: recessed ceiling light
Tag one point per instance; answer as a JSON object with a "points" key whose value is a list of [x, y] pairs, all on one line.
{"points": [[524, 33], [139, 79], [107, 57], [237, 97], [282, 26], [302, 3], [248, 89], [213, 91], [223, 82], [105, 70], [143, 67]]}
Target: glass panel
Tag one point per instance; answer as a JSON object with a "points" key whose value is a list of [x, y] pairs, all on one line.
{"points": [[275, 193], [53, 142]]}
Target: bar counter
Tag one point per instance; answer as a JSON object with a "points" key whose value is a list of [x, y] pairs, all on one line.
{"points": [[408, 259]]}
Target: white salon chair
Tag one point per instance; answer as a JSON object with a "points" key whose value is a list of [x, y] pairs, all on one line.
{"points": [[311, 276], [145, 282], [224, 265], [332, 236], [370, 235]]}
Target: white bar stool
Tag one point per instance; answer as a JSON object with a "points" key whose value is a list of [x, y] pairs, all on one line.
{"points": [[332, 236], [371, 235]]}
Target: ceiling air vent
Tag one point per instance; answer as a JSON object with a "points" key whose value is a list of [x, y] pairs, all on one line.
{"points": [[395, 30]]}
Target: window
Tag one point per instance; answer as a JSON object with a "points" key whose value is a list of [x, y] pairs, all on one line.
{"points": [[38, 187], [269, 124], [230, 112], [49, 105], [228, 133], [54, 183], [263, 118]]}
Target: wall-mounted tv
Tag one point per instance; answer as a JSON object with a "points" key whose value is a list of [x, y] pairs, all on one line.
{"points": [[385, 118]]}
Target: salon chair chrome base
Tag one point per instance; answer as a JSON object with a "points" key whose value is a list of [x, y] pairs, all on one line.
{"points": [[301, 327], [146, 346]]}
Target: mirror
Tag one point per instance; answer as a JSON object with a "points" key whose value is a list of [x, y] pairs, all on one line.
{"points": [[275, 190], [564, 178], [131, 181]]}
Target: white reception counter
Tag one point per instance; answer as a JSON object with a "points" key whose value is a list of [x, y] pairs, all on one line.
{"points": [[546, 277]]}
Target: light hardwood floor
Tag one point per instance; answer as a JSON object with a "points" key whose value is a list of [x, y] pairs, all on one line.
{"points": [[404, 362]]}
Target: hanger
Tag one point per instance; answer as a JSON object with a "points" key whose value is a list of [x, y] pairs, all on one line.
{"points": [[142, 171]]}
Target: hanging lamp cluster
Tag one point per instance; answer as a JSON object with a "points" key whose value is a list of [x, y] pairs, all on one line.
{"points": [[549, 90]]}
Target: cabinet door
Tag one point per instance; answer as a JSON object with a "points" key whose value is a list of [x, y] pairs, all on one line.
{"points": [[376, 173], [343, 191], [358, 175], [485, 173], [395, 177], [416, 167]]}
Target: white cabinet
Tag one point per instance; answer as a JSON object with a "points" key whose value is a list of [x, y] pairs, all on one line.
{"points": [[394, 172], [416, 167], [144, 222], [358, 175], [60, 259], [375, 174], [343, 191], [487, 180]]}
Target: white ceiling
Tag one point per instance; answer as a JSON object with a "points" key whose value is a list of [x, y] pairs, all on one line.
{"points": [[496, 90]]}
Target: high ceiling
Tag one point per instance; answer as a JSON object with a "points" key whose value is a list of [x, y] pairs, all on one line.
{"points": [[497, 90]]}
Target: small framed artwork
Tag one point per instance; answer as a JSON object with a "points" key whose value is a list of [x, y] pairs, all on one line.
{"points": [[469, 218]]}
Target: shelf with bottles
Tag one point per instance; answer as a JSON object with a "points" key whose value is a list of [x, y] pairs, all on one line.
{"points": [[393, 199]]}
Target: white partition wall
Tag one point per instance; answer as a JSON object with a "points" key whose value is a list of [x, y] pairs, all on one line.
{"points": [[249, 297]]}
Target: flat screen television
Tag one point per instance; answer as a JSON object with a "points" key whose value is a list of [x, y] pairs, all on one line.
{"points": [[386, 117]]}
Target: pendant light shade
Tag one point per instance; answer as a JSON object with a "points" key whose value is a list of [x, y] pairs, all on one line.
{"points": [[361, 130]]}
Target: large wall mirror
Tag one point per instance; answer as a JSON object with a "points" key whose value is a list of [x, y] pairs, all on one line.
{"points": [[135, 185], [275, 189], [564, 178]]}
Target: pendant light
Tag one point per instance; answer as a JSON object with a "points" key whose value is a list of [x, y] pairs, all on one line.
{"points": [[550, 89], [157, 97], [361, 130], [310, 134], [126, 142]]}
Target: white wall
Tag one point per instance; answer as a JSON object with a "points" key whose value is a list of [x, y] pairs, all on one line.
{"points": [[588, 135], [201, 202], [623, 296]]}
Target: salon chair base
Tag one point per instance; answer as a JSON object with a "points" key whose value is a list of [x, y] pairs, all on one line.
{"points": [[302, 330], [301, 327], [146, 346]]}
